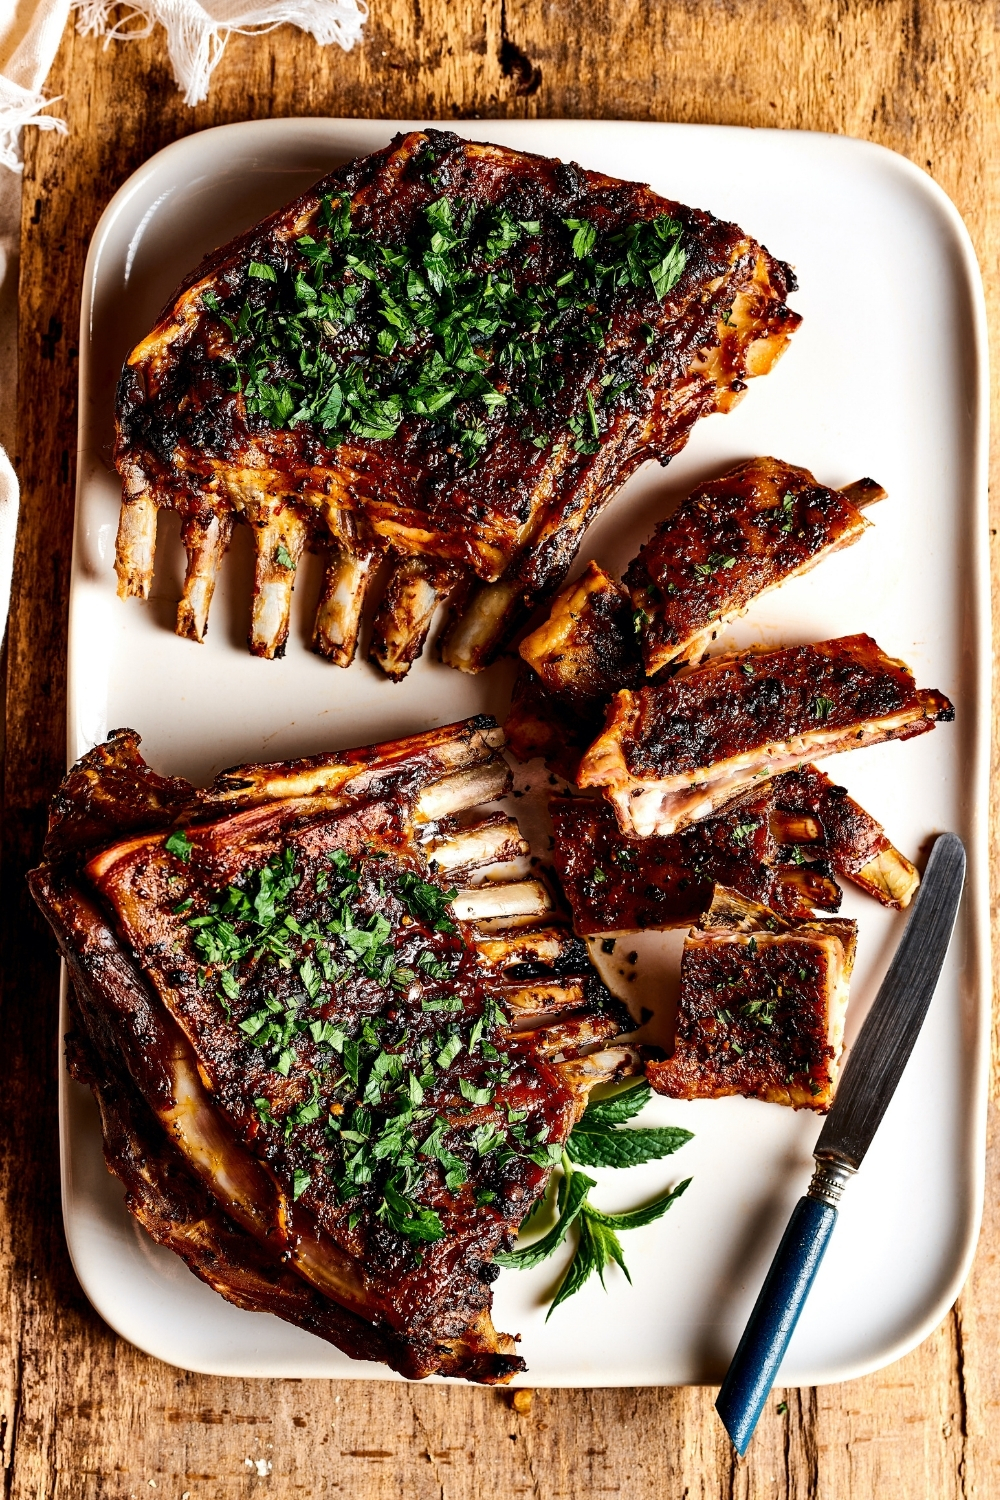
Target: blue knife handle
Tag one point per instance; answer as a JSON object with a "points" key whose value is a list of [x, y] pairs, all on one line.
{"points": [[766, 1337]]}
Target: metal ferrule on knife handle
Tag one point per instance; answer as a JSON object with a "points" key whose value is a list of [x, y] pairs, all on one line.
{"points": [[830, 1178]]}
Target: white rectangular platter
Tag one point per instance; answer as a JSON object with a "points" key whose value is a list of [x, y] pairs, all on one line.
{"points": [[887, 377]]}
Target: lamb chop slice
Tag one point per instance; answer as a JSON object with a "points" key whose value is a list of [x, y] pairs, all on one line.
{"points": [[317, 1034], [761, 1007], [731, 540], [448, 349], [778, 844], [673, 753]]}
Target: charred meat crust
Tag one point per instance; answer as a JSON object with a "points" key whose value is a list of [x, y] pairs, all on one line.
{"points": [[761, 1008], [186, 439], [261, 1135], [730, 540], [672, 753], [778, 844]]}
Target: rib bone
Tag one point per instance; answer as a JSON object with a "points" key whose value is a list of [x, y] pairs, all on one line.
{"points": [[206, 539], [346, 581], [417, 586], [135, 546], [282, 535], [496, 841], [524, 898]]}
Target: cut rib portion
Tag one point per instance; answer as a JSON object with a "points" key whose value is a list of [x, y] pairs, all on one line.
{"points": [[571, 666], [731, 540], [761, 1007], [461, 349], [273, 969], [777, 844], [672, 754]]}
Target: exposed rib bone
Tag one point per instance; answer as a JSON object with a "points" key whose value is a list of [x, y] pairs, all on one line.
{"points": [[496, 841], [889, 877], [572, 1037], [541, 945], [282, 536], [346, 581], [581, 1074], [472, 638], [206, 538], [817, 889], [794, 828], [863, 492], [537, 1002], [525, 898], [417, 586], [135, 546], [465, 789]]}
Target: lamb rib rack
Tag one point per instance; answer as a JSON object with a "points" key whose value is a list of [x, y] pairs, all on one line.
{"points": [[673, 753], [778, 844], [330, 1081], [448, 351]]}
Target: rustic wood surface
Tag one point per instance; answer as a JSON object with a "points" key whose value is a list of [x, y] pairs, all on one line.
{"points": [[83, 1414]]}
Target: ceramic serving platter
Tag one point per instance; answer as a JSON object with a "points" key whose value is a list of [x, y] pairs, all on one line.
{"points": [[887, 377]]}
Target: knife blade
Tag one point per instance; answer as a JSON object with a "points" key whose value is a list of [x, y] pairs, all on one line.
{"points": [[869, 1080]]}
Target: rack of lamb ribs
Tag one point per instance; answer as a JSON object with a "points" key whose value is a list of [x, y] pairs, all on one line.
{"points": [[447, 356], [337, 1037]]}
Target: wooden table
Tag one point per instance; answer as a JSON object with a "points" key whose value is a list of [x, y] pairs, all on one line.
{"points": [[83, 1414]]}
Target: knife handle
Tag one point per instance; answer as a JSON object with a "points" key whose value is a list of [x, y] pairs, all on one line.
{"points": [[766, 1337]]}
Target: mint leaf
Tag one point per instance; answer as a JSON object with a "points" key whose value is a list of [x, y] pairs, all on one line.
{"points": [[260, 272], [533, 1255], [640, 1216], [618, 1108], [624, 1148]]}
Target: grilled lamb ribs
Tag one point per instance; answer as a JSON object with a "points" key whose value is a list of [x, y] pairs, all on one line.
{"points": [[672, 753], [778, 844], [731, 540], [329, 1080], [761, 1007], [449, 353]]}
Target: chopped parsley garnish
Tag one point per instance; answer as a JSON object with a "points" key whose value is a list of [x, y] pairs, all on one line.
{"points": [[717, 562], [359, 335], [179, 845], [428, 903], [822, 707]]}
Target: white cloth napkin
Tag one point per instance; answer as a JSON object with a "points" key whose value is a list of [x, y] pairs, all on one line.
{"points": [[30, 32], [197, 30]]}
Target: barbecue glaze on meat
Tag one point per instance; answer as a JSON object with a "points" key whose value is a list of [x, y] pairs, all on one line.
{"points": [[449, 353], [761, 1007], [778, 844], [730, 541], [331, 1081], [676, 752]]}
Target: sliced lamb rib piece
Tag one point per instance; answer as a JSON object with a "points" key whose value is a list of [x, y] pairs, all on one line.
{"points": [[777, 844], [731, 540], [450, 349], [334, 1048], [571, 666], [761, 1007], [674, 753]]}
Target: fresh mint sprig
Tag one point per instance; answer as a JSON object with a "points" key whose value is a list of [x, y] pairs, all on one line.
{"points": [[598, 1140]]}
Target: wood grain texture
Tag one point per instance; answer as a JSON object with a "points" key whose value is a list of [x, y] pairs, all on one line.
{"points": [[81, 1413]]}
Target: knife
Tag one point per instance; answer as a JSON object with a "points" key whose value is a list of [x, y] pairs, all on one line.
{"points": [[872, 1071]]}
